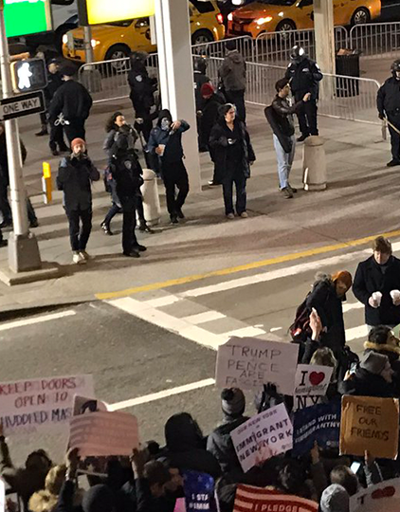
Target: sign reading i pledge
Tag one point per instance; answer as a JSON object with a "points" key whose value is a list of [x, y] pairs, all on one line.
{"points": [[248, 363], [29, 405], [263, 436], [384, 496], [100, 434], [256, 499], [369, 423]]}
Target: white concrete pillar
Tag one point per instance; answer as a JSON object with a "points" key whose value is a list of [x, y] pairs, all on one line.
{"points": [[325, 43], [176, 75]]}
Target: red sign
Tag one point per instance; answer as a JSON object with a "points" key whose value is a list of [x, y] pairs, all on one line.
{"points": [[255, 499]]}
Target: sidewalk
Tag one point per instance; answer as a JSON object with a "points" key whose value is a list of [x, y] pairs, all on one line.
{"points": [[360, 187]]}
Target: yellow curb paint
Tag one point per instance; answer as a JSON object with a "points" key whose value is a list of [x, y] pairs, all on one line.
{"points": [[242, 268]]}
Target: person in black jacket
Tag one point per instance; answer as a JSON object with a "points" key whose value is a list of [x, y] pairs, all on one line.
{"points": [[388, 103], [200, 78], [304, 75], [326, 298], [142, 91], [374, 377], [280, 116], [219, 442], [166, 142], [127, 173], [74, 178], [233, 154], [70, 106], [377, 285]]}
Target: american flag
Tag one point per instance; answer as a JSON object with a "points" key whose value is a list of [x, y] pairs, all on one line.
{"points": [[256, 499]]}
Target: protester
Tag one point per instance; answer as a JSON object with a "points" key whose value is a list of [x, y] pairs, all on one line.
{"points": [[219, 442], [335, 499], [166, 142], [75, 174], [388, 103], [304, 75], [70, 106], [233, 155], [280, 116], [142, 92], [377, 285], [233, 75], [127, 173], [200, 78]]}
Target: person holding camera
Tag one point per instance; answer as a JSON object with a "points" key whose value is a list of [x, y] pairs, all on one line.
{"points": [[233, 155]]}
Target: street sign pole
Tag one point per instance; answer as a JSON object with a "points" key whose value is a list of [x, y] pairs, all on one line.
{"points": [[23, 250]]}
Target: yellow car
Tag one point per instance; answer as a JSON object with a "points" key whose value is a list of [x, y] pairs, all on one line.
{"points": [[281, 15], [117, 40]]}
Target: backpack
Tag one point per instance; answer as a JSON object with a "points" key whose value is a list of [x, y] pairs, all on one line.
{"points": [[300, 329]]}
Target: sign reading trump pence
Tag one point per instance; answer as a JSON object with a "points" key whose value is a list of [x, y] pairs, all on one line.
{"points": [[263, 436], [256, 499], [248, 363], [369, 423]]}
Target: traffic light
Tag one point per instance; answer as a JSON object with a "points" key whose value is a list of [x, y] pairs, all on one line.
{"points": [[28, 75]]}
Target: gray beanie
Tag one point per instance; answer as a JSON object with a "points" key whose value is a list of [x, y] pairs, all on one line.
{"points": [[233, 401], [335, 499], [374, 363]]}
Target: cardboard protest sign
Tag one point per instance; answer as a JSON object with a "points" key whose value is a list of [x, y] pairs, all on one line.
{"points": [[263, 436], [29, 405], [370, 423], [320, 423], [384, 496], [248, 363], [256, 499], [199, 491], [104, 433], [312, 379]]}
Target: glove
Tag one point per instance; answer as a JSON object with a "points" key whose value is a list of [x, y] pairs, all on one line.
{"points": [[381, 116]]}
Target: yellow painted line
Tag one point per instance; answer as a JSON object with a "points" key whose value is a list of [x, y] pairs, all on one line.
{"points": [[242, 268]]}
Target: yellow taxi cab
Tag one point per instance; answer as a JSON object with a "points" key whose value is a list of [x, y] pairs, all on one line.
{"points": [[117, 40], [282, 15]]}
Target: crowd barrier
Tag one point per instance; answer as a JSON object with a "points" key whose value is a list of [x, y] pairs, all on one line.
{"points": [[376, 40]]}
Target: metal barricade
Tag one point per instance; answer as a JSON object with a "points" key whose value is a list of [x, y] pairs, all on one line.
{"points": [[376, 39], [244, 44], [276, 46]]}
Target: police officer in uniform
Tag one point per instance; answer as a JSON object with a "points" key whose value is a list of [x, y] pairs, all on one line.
{"points": [[388, 103], [304, 75]]}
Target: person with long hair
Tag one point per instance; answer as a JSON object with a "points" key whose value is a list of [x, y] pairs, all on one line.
{"points": [[233, 155]]}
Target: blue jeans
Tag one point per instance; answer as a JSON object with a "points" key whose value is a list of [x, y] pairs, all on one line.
{"points": [[285, 161]]}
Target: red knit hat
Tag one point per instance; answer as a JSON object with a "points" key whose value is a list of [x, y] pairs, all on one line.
{"points": [[207, 89], [77, 141]]}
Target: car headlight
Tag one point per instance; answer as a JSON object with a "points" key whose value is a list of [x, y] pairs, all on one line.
{"points": [[261, 21], [65, 39], [94, 43]]}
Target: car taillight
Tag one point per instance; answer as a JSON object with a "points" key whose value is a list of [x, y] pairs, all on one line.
{"points": [[220, 18], [230, 17]]}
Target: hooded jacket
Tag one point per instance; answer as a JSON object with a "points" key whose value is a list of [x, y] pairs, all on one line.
{"points": [[393, 353], [219, 149], [365, 383], [369, 278], [388, 99], [304, 76], [172, 139], [233, 72]]}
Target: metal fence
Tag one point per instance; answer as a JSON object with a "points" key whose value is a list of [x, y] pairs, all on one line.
{"points": [[244, 44], [275, 47], [376, 39]]}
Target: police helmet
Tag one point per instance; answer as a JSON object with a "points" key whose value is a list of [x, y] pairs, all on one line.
{"points": [[297, 52], [200, 63], [396, 65]]}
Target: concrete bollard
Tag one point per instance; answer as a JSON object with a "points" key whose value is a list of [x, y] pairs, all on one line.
{"points": [[314, 163], [151, 200]]}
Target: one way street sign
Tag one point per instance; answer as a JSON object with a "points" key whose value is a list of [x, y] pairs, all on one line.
{"points": [[22, 105]]}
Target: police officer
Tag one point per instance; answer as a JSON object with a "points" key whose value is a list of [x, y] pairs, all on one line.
{"points": [[304, 75], [142, 92], [199, 79], [388, 103]]}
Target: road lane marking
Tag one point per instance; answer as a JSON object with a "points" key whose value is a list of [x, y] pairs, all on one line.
{"points": [[245, 332], [36, 320], [160, 394], [202, 318], [242, 268]]}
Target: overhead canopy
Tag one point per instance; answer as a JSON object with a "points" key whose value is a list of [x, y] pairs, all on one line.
{"points": [[96, 12]]}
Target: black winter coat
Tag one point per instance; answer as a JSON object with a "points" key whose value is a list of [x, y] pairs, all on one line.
{"points": [[210, 114], [55, 81], [388, 99], [199, 80], [74, 179], [369, 279], [329, 307], [393, 353], [127, 173], [365, 383], [142, 91], [304, 77], [219, 149], [4, 174], [72, 100]]}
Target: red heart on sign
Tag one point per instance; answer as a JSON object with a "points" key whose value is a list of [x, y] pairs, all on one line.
{"points": [[387, 492], [316, 378]]}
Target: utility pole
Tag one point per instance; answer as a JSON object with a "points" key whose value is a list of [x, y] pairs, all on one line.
{"points": [[23, 249], [87, 33]]}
